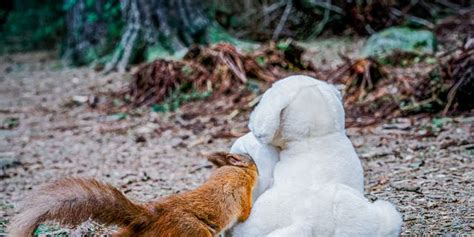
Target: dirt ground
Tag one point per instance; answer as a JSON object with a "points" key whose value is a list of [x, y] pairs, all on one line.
{"points": [[423, 165]]}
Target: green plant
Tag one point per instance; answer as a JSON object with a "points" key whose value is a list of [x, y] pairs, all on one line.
{"points": [[49, 230], [177, 98]]}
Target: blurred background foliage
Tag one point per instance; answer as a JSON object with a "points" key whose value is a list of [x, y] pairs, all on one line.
{"points": [[42, 24], [418, 55], [30, 24], [118, 33]]}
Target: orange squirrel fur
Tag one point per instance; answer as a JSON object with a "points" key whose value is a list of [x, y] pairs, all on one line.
{"points": [[206, 211]]}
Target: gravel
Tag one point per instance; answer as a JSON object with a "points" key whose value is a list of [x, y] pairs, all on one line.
{"points": [[49, 131]]}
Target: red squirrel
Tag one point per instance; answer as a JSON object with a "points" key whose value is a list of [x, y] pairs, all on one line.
{"points": [[224, 199]]}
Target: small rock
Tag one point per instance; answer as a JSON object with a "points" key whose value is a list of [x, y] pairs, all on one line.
{"points": [[80, 99], [417, 165], [407, 187], [397, 126], [375, 154], [175, 142], [432, 204], [409, 217], [9, 123], [113, 117], [8, 162], [140, 139], [147, 128], [383, 180]]}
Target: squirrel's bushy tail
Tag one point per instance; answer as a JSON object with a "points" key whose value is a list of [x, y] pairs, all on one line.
{"points": [[73, 201]]}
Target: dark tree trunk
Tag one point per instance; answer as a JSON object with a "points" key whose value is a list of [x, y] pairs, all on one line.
{"points": [[168, 25], [84, 33], [172, 25]]}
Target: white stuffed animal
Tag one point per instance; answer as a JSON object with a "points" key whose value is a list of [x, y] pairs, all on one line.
{"points": [[264, 155], [305, 118], [318, 182], [334, 210]]}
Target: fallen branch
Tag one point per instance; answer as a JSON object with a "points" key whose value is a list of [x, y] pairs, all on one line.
{"points": [[283, 20]]}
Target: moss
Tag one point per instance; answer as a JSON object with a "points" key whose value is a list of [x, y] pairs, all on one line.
{"points": [[399, 39], [49, 230], [216, 34], [157, 51]]}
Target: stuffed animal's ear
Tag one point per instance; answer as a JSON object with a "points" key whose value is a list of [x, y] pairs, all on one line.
{"points": [[265, 119]]}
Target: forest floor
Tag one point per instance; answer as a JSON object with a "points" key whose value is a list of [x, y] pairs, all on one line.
{"points": [[423, 165]]}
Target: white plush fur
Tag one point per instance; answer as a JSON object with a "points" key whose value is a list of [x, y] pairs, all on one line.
{"points": [[318, 182], [330, 210], [264, 155], [305, 118]]}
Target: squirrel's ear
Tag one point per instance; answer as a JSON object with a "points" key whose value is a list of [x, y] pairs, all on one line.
{"points": [[218, 158], [238, 160], [224, 158], [265, 119]]}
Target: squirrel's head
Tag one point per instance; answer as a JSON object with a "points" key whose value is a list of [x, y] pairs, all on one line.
{"points": [[231, 159]]}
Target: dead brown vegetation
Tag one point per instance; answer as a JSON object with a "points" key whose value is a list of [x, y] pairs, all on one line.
{"points": [[221, 68]]}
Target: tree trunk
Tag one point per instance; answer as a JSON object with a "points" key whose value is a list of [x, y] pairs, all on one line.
{"points": [[85, 31], [163, 24], [159, 25]]}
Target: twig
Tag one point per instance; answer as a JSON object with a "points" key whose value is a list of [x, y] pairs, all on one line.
{"points": [[448, 52], [338, 73], [345, 68], [284, 18], [233, 68], [418, 20], [320, 27], [452, 95], [273, 7], [263, 13], [449, 4], [329, 6], [416, 105], [369, 29]]}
